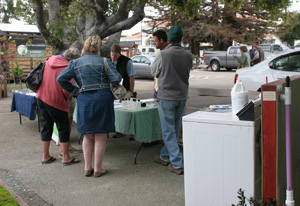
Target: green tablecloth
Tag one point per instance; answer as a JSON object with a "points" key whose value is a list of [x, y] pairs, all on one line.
{"points": [[144, 123]]}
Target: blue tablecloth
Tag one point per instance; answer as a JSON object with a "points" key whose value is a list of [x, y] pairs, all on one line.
{"points": [[24, 104]]}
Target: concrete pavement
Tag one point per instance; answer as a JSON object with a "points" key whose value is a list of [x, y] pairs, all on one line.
{"points": [[146, 183]]}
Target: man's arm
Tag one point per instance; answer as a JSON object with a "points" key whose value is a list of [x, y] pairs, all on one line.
{"points": [[256, 56], [130, 72], [131, 82], [156, 65]]}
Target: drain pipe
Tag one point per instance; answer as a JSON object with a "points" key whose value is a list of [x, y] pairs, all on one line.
{"points": [[287, 97]]}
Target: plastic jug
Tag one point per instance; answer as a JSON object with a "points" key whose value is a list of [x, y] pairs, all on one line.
{"points": [[239, 97]]}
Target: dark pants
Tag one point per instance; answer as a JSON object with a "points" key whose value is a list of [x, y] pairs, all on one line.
{"points": [[154, 94], [50, 115]]}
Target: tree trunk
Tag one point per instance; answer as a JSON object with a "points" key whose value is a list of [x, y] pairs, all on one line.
{"points": [[219, 44], [91, 19], [113, 39], [194, 47]]}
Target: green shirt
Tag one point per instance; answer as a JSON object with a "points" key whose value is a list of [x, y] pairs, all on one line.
{"points": [[244, 59]]}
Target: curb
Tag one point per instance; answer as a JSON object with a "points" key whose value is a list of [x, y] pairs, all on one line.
{"points": [[13, 194]]}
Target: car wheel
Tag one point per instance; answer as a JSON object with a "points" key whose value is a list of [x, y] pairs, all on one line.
{"points": [[215, 66]]}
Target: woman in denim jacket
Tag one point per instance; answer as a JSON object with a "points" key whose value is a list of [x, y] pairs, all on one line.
{"points": [[95, 102]]}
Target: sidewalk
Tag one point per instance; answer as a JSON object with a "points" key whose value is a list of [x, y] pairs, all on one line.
{"points": [[146, 183]]}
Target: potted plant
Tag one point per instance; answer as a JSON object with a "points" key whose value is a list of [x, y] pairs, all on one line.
{"points": [[17, 72]]}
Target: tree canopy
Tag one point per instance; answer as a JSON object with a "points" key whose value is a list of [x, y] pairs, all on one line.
{"points": [[61, 22], [289, 30], [7, 11], [221, 21]]}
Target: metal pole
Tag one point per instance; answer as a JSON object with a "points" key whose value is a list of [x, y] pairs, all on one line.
{"points": [[288, 147], [287, 100]]}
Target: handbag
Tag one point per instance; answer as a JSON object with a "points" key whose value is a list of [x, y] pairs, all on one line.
{"points": [[34, 79], [118, 91]]}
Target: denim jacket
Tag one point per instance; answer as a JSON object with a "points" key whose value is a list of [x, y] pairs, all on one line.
{"points": [[89, 74]]}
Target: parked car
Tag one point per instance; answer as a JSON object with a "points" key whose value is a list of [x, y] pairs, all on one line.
{"points": [[277, 67], [142, 65], [296, 47], [274, 48], [218, 59]]}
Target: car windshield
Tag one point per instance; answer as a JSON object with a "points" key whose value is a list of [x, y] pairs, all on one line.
{"points": [[265, 47], [151, 50]]}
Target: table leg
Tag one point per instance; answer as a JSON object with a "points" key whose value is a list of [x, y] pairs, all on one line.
{"points": [[20, 116], [135, 156]]}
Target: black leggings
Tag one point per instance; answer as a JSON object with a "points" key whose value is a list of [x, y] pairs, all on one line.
{"points": [[49, 115]]}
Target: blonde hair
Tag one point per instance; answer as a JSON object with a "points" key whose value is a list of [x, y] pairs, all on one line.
{"points": [[92, 45]]}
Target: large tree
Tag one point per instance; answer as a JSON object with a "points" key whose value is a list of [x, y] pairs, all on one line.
{"points": [[219, 22], [216, 21], [289, 30], [7, 10], [61, 22]]}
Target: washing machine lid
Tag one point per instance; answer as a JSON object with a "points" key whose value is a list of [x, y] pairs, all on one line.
{"points": [[216, 118]]}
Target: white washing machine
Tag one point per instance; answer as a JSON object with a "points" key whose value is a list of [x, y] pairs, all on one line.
{"points": [[219, 158]]}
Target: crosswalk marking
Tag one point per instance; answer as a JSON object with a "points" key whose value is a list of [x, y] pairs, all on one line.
{"points": [[205, 77]]}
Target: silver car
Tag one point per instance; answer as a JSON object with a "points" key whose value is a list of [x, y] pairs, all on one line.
{"points": [[142, 65]]}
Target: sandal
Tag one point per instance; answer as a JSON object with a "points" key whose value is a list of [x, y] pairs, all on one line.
{"points": [[88, 173], [73, 161], [50, 160], [99, 174], [74, 150]]}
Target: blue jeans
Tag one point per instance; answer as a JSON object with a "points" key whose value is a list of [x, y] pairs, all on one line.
{"points": [[171, 112]]}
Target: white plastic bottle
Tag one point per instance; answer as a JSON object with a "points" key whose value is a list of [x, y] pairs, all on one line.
{"points": [[239, 97], [134, 104], [126, 103], [131, 105], [123, 104]]}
